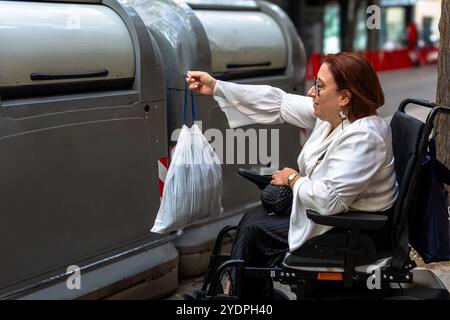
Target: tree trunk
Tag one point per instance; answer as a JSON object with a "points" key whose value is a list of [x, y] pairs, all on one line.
{"points": [[443, 85], [373, 34], [349, 10]]}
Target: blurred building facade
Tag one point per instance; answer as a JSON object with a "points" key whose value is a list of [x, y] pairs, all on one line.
{"points": [[331, 26]]}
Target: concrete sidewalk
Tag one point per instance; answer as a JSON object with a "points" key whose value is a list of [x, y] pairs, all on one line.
{"points": [[187, 286]]}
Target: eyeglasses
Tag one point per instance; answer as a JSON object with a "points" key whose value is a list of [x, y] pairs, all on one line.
{"points": [[317, 86]]}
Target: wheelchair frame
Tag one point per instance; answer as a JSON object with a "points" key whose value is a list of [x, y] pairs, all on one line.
{"points": [[300, 282]]}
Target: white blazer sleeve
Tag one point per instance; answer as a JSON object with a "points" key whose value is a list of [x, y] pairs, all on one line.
{"points": [[246, 104], [349, 169]]}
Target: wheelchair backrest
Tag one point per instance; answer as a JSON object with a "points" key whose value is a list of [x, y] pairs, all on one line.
{"points": [[407, 135]]}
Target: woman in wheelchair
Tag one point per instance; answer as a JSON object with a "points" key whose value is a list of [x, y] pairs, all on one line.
{"points": [[346, 164]]}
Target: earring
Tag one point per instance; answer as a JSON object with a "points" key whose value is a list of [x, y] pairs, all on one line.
{"points": [[343, 117]]}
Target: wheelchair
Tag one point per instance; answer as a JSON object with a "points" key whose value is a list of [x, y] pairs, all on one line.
{"points": [[345, 264]]}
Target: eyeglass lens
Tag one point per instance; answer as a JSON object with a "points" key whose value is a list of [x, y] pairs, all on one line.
{"points": [[316, 86]]}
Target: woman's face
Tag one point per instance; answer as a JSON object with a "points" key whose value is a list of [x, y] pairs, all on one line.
{"points": [[331, 100]]}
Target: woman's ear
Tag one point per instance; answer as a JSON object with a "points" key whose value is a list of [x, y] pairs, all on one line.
{"points": [[346, 96]]}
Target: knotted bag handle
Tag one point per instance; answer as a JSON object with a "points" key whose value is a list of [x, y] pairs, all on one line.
{"points": [[185, 106]]}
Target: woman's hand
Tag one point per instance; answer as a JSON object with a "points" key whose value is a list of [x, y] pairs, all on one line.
{"points": [[280, 178], [201, 82]]}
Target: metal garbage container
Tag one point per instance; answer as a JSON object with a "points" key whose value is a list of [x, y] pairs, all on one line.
{"points": [[82, 128]]}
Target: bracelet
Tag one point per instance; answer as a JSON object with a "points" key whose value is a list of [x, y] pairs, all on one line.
{"points": [[289, 183]]}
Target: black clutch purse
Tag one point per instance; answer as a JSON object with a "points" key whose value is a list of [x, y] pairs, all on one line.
{"points": [[275, 199]]}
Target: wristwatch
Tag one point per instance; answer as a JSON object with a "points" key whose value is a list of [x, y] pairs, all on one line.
{"points": [[292, 177]]}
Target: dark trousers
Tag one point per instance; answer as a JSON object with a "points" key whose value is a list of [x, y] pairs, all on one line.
{"points": [[261, 241]]}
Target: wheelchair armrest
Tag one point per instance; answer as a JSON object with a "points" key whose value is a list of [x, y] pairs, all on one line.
{"points": [[349, 220]]}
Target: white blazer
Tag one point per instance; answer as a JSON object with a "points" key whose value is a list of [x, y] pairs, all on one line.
{"points": [[356, 173]]}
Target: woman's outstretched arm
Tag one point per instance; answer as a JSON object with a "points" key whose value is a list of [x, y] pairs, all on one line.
{"points": [[245, 104]]}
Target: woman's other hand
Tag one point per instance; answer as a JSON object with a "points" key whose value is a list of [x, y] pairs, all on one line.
{"points": [[280, 177], [201, 82]]}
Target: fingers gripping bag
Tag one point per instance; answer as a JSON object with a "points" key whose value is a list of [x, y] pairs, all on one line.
{"points": [[193, 186]]}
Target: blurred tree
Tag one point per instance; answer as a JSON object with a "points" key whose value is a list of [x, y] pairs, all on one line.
{"points": [[349, 9], [373, 34], [443, 85]]}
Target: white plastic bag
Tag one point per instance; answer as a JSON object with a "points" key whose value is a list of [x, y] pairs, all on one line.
{"points": [[193, 187]]}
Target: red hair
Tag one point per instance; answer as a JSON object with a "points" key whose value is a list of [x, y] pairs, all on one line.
{"points": [[354, 73]]}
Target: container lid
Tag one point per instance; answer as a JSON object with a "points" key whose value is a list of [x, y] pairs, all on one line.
{"points": [[46, 43], [243, 40]]}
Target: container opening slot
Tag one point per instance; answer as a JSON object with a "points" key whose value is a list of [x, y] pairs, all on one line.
{"points": [[35, 76]]}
